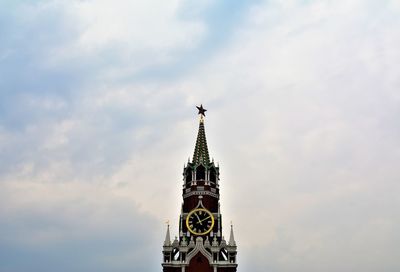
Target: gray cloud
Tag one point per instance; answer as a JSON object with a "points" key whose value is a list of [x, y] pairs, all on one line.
{"points": [[73, 226]]}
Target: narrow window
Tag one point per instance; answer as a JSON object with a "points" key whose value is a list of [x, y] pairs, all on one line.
{"points": [[213, 176], [200, 173], [188, 175]]}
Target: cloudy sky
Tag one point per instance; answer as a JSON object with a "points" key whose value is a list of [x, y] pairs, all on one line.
{"points": [[97, 118]]}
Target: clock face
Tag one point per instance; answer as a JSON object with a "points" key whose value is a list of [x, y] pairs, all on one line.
{"points": [[200, 221]]}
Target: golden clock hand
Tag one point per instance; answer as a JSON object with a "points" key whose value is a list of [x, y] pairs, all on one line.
{"points": [[205, 219], [198, 218]]}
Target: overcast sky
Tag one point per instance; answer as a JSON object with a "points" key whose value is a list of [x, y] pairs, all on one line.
{"points": [[97, 118]]}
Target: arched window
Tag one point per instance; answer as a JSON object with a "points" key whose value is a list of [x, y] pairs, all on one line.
{"points": [[201, 173], [223, 255], [175, 254]]}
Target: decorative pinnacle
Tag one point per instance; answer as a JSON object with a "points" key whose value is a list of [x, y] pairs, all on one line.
{"points": [[167, 241], [232, 241]]}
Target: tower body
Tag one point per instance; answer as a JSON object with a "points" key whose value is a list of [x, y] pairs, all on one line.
{"points": [[200, 245]]}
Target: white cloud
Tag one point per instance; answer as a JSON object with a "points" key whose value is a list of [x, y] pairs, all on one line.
{"points": [[130, 34], [303, 106]]}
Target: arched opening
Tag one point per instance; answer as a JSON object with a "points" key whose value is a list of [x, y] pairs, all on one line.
{"points": [[188, 175], [199, 263], [223, 255], [175, 254], [213, 175], [201, 172]]}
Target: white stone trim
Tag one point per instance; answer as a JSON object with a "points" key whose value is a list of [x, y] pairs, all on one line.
{"points": [[186, 195], [199, 248]]}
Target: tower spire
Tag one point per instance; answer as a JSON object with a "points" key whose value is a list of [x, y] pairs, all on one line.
{"points": [[201, 155], [232, 241], [167, 241]]}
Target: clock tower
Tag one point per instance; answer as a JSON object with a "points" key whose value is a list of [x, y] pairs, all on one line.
{"points": [[201, 246]]}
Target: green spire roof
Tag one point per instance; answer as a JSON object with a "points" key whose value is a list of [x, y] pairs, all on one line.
{"points": [[201, 155]]}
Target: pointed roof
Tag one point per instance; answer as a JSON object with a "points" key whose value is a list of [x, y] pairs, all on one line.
{"points": [[167, 241], [201, 155], [232, 241]]}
